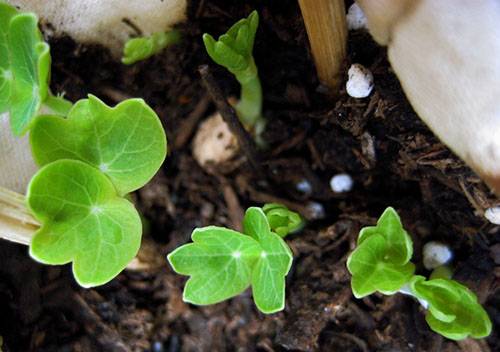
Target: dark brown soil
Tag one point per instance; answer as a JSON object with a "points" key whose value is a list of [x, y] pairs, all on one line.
{"points": [[394, 159]]}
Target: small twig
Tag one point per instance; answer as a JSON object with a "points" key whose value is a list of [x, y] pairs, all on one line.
{"points": [[189, 123], [230, 117], [16, 223]]}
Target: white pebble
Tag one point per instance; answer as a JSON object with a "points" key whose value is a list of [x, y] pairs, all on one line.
{"points": [[304, 186], [493, 215], [341, 183], [316, 210], [360, 82], [356, 18], [436, 254]]}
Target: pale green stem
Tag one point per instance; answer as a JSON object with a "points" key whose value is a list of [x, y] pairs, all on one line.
{"points": [[249, 108]]}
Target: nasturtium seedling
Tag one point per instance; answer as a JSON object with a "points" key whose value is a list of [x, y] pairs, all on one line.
{"points": [[127, 143], [222, 263], [282, 220], [24, 67], [454, 311], [83, 221], [381, 261], [233, 50], [138, 49]]}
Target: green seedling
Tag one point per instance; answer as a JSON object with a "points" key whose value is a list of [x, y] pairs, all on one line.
{"points": [[453, 310], [127, 142], [24, 70], [138, 49], [89, 160], [222, 263], [282, 220], [84, 221], [233, 50], [381, 263]]}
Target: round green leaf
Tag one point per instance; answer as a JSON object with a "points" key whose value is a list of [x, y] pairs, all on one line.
{"points": [[83, 220], [127, 142]]}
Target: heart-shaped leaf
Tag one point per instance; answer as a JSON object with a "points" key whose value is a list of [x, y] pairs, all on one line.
{"points": [[127, 142], [83, 220], [219, 263]]}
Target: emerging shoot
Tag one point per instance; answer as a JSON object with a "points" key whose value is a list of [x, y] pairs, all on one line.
{"points": [[282, 220], [233, 50], [138, 49]]}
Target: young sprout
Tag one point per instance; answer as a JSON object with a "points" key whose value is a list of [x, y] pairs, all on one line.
{"points": [[233, 50], [138, 49], [222, 263], [454, 311], [24, 70], [282, 220], [381, 262], [91, 160]]}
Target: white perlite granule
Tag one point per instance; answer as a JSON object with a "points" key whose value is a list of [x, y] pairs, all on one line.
{"points": [[356, 18], [493, 215], [360, 81], [341, 183], [16, 163], [436, 254]]}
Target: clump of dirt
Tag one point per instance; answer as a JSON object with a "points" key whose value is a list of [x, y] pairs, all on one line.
{"points": [[393, 158]]}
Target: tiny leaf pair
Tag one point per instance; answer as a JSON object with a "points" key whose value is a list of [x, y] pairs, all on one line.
{"points": [[138, 49], [282, 220], [24, 67], [233, 50], [381, 260], [90, 161], [454, 311], [222, 263]]}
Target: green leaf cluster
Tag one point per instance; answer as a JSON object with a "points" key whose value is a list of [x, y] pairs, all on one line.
{"points": [[282, 220], [24, 67], [381, 263], [138, 49], [233, 50], [90, 161], [453, 311], [381, 260], [222, 263]]}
